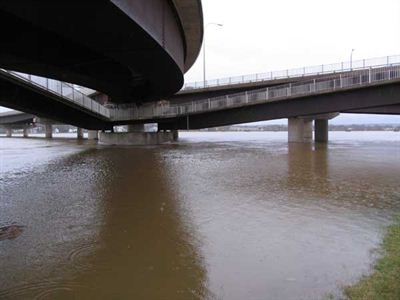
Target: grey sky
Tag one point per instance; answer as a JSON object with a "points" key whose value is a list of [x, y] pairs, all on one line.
{"points": [[260, 36]]}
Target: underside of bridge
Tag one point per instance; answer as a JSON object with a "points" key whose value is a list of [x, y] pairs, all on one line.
{"points": [[130, 50], [382, 99]]}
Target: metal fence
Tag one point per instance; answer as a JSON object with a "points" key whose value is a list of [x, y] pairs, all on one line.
{"points": [[298, 72], [64, 90], [351, 80]]}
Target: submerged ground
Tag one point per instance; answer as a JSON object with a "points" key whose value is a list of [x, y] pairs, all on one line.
{"points": [[215, 216]]}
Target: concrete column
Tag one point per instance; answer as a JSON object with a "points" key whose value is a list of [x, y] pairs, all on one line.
{"points": [[300, 130], [8, 132], [321, 131], [135, 128], [48, 131], [79, 133], [175, 134], [26, 132], [93, 134]]}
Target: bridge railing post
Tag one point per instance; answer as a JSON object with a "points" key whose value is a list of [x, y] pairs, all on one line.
{"points": [[369, 75]]}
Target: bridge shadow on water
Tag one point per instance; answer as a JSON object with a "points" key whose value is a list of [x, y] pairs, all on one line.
{"points": [[101, 224]]}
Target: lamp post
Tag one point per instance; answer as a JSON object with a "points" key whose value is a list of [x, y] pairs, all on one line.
{"points": [[351, 59], [204, 50]]}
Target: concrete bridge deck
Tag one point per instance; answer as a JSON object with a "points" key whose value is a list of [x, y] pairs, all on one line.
{"points": [[373, 89]]}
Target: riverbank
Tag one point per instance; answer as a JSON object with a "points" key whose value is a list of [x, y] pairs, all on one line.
{"points": [[384, 282]]}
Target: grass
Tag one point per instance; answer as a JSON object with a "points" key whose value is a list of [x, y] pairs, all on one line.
{"points": [[384, 282]]}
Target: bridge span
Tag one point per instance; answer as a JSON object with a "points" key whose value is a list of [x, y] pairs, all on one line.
{"points": [[369, 89]]}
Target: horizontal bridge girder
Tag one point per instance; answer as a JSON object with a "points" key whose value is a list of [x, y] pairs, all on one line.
{"points": [[343, 101]]}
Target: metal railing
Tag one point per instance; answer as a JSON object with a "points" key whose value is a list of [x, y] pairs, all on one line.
{"points": [[64, 90], [297, 72], [337, 82], [157, 110]]}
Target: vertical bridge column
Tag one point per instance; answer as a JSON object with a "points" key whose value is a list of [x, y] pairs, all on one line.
{"points": [[79, 133], [299, 130], [321, 127], [92, 134], [26, 132], [9, 132], [48, 131], [321, 134]]}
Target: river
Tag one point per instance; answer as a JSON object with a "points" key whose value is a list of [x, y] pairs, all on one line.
{"points": [[218, 215]]}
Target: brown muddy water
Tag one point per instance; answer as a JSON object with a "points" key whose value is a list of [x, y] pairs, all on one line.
{"points": [[215, 216]]}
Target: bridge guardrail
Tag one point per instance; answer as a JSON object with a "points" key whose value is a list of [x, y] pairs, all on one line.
{"points": [[64, 90], [336, 82], [296, 72], [282, 92]]}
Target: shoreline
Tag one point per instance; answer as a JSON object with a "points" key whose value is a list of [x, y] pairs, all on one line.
{"points": [[384, 281]]}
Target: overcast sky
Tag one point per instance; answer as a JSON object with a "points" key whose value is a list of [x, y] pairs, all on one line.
{"points": [[260, 36], [267, 35]]}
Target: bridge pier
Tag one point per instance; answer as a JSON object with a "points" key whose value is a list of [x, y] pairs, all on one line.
{"points": [[9, 132], [26, 132], [321, 131], [136, 135], [79, 133], [175, 135], [48, 128], [299, 130], [93, 134]]}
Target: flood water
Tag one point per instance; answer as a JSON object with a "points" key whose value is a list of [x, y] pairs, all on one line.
{"points": [[215, 216]]}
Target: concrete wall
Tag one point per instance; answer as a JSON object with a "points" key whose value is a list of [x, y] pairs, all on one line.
{"points": [[137, 138]]}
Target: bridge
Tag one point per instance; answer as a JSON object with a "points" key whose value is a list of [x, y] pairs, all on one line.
{"points": [[370, 87], [137, 72]]}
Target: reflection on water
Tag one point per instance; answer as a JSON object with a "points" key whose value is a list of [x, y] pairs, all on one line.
{"points": [[244, 216]]}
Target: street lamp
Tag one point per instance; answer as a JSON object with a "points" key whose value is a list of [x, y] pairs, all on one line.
{"points": [[204, 50], [351, 59]]}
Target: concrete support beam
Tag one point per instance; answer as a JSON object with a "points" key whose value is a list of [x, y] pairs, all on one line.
{"points": [[8, 132], [48, 131], [321, 134], [93, 134], [26, 132], [300, 130], [79, 133]]}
